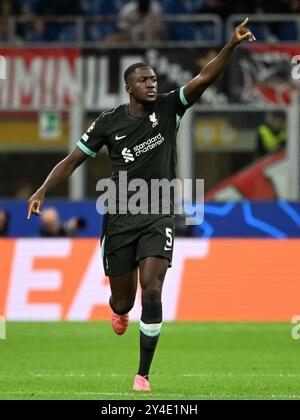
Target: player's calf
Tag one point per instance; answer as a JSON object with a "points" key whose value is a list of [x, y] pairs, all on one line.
{"points": [[150, 327]]}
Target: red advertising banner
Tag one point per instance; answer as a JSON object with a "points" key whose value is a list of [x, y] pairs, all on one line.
{"points": [[215, 280], [40, 78], [57, 77], [54, 78]]}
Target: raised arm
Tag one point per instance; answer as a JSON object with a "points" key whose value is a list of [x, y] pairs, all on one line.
{"points": [[61, 172], [194, 89]]}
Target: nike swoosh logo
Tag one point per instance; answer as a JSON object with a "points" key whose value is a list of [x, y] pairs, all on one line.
{"points": [[167, 249], [120, 138]]}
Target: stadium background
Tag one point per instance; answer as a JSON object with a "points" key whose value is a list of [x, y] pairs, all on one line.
{"points": [[241, 264]]}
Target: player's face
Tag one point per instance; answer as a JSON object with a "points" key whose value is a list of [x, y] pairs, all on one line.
{"points": [[142, 84]]}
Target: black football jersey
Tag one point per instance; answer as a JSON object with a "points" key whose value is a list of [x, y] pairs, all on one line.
{"points": [[145, 148]]}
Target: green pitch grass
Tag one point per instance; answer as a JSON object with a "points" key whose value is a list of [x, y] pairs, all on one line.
{"points": [[194, 361]]}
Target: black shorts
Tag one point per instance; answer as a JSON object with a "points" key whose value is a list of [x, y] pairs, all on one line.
{"points": [[127, 239]]}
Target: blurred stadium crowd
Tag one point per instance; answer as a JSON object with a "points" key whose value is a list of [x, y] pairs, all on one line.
{"points": [[124, 14]]}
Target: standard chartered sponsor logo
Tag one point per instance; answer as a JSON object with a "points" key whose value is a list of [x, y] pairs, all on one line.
{"points": [[127, 155], [148, 145]]}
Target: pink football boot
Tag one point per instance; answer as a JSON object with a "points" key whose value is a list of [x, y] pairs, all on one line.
{"points": [[141, 384], [119, 323]]}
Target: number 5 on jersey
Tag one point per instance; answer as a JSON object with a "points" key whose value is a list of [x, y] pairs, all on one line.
{"points": [[169, 243]]}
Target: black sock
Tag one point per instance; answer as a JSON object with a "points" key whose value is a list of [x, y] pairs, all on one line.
{"points": [[151, 315]]}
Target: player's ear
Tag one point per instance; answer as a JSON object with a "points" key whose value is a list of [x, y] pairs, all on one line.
{"points": [[128, 90]]}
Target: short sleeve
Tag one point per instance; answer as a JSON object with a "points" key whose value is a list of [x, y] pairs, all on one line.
{"points": [[94, 138], [176, 101]]}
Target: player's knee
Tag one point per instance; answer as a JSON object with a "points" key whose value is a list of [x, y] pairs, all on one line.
{"points": [[122, 307], [151, 294]]}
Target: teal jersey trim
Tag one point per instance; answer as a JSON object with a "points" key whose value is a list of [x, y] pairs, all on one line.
{"points": [[108, 112], [178, 121], [183, 98], [86, 150]]}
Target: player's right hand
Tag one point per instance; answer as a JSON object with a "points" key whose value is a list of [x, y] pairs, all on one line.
{"points": [[35, 204]]}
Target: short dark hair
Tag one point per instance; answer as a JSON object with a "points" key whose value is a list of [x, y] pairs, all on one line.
{"points": [[132, 69]]}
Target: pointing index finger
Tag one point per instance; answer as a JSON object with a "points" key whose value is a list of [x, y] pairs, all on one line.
{"points": [[29, 211], [34, 208], [244, 23]]}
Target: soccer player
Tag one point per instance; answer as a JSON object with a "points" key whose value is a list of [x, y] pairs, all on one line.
{"points": [[141, 140]]}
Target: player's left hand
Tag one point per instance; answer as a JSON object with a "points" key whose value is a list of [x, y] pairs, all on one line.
{"points": [[35, 204], [241, 33]]}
